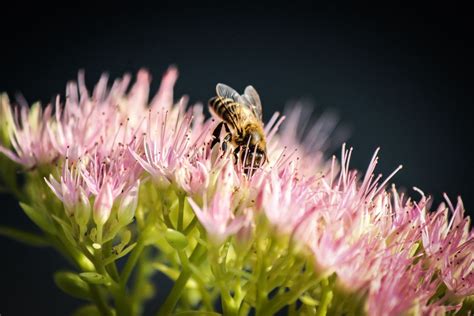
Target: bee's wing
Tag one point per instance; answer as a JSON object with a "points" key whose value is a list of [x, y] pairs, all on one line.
{"points": [[227, 92], [252, 99]]}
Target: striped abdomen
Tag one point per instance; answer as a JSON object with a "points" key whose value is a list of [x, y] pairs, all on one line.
{"points": [[228, 110]]}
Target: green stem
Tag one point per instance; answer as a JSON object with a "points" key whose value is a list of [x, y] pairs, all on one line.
{"points": [[99, 300], [113, 271], [244, 309], [206, 297], [165, 212], [261, 286], [218, 259], [179, 285], [180, 211], [111, 268], [239, 294], [127, 270], [190, 226], [167, 219], [228, 305], [99, 234], [287, 298], [175, 293], [326, 297], [141, 282]]}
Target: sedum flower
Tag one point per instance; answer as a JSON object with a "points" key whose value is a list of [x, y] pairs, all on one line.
{"points": [[285, 199], [170, 144], [6, 120], [27, 131], [69, 189], [103, 203], [389, 251], [128, 204], [218, 216], [402, 287]]}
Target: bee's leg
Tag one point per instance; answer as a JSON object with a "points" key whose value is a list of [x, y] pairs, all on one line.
{"points": [[236, 153], [217, 134], [227, 137]]}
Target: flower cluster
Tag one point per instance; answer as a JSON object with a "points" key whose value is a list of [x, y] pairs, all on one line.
{"points": [[114, 174]]}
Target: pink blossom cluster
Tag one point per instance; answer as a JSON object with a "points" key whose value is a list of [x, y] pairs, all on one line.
{"points": [[377, 241]]}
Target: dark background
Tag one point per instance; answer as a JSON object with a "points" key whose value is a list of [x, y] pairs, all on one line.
{"points": [[399, 78]]}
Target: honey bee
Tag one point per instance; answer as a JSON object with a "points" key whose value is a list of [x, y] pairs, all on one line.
{"points": [[241, 117]]}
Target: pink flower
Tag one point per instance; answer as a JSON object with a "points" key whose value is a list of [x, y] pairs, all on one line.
{"points": [[128, 205], [285, 200], [292, 135], [28, 135], [164, 97], [165, 148], [69, 188], [103, 204], [193, 178], [107, 178], [401, 285], [175, 143], [450, 247], [116, 167], [76, 125], [457, 270], [219, 215], [110, 178], [341, 227], [379, 243]]}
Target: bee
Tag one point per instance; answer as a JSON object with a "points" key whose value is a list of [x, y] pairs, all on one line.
{"points": [[241, 119]]}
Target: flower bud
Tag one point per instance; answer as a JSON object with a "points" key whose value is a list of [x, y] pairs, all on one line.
{"points": [[82, 210], [94, 278], [244, 234], [69, 198], [176, 239], [72, 284], [6, 120], [199, 178], [128, 205], [103, 204]]}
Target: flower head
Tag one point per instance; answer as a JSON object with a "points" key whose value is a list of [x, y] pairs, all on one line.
{"points": [[219, 216], [393, 250], [27, 131]]}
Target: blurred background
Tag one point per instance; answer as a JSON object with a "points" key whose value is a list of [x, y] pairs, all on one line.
{"points": [[398, 78]]}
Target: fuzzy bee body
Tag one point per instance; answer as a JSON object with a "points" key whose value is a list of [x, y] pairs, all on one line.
{"points": [[241, 118]]}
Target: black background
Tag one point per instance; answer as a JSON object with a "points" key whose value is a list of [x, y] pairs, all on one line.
{"points": [[399, 78]]}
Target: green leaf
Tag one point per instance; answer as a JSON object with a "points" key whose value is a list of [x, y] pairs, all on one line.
{"points": [[120, 255], [94, 278], [72, 284], [67, 229], [176, 239], [39, 218], [86, 310], [24, 237]]}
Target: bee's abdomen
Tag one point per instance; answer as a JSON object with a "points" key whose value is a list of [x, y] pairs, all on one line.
{"points": [[224, 108]]}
